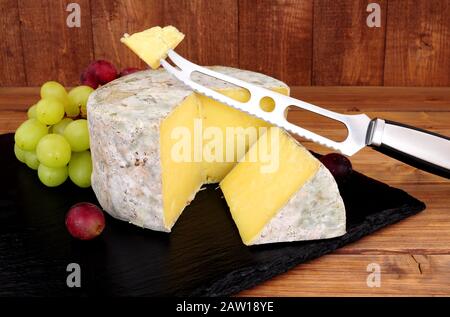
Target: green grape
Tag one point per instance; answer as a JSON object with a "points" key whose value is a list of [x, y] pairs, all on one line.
{"points": [[50, 111], [31, 160], [29, 133], [53, 89], [80, 169], [20, 154], [31, 113], [61, 126], [53, 150], [72, 110], [77, 134], [52, 176], [78, 98]]}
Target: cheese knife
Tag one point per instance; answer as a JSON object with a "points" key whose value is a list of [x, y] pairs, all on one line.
{"points": [[419, 148]]}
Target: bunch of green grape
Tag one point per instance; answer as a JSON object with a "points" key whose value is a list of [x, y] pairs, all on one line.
{"points": [[55, 138]]}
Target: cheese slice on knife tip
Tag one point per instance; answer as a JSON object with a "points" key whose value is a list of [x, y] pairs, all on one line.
{"points": [[153, 44]]}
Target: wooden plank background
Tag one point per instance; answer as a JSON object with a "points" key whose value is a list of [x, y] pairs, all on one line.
{"points": [[302, 42]]}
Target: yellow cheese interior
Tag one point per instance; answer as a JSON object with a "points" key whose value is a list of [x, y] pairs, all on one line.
{"points": [[152, 45], [222, 116], [254, 196], [182, 180]]}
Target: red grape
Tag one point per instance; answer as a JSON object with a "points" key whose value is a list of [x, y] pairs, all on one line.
{"points": [[339, 166], [103, 70], [85, 221], [88, 78], [98, 72]]}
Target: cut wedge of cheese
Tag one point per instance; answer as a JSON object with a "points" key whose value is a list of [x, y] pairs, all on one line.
{"points": [[294, 198], [153, 44], [138, 125], [154, 143]]}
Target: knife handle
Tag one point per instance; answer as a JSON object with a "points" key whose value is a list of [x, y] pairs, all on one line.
{"points": [[423, 149]]}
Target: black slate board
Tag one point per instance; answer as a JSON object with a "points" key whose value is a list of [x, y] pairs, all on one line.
{"points": [[203, 255]]}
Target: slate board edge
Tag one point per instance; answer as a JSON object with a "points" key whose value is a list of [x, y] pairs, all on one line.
{"points": [[246, 278]]}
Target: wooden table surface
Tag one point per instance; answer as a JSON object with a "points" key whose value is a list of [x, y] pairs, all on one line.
{"points": [[413, 255]]}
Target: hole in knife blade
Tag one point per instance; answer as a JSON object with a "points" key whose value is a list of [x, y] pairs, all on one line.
{"points": [[267, 104], [321, 125], [232, 91]]}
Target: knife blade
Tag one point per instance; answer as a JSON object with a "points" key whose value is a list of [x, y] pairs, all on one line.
{"points": [[423, 149]]}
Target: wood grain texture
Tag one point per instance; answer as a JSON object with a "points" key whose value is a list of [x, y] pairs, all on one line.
{"points": [[111, 19], [11, 51], [341, 99], [211, 29], [205, 37], [275, 37], [314, 42], [53, 51], [417, 45], [417, 233], [346, 275], [346, 51], [422, 239], [351, 99], [18, 98]]}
